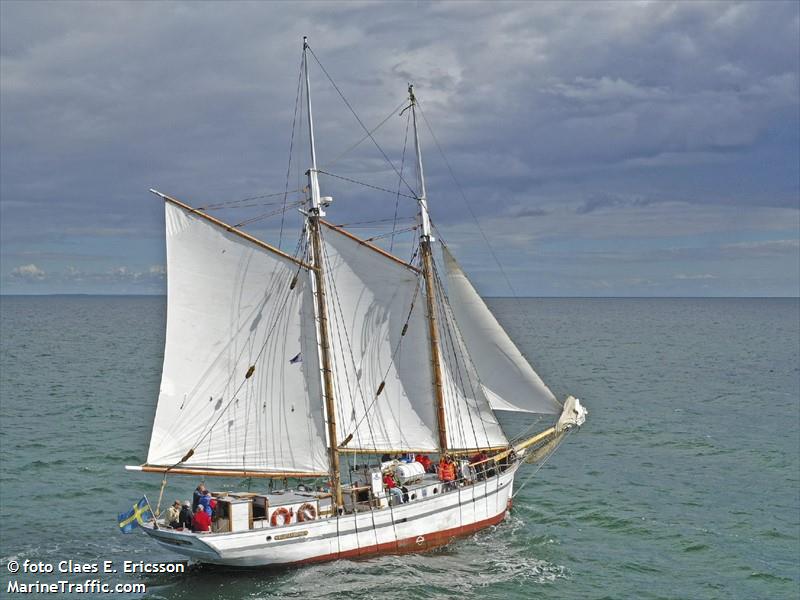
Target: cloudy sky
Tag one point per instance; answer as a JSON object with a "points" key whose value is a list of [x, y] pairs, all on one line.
{"points": [[605, 149]]}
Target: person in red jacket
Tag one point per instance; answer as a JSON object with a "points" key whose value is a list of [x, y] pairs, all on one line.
{"points": [[425, 462], [201, 521], [447, 471], [396, 492]]}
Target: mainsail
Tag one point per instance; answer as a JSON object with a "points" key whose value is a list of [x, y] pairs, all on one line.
{"points": [[508, 379], [370, 299], [233, 305]]}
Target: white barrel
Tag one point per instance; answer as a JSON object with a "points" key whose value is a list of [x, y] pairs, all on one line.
{"points": [[409, 472]]}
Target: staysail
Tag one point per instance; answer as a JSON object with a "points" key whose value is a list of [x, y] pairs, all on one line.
{"points": [[370, 298], [233, 305], [509, 381], [470, 421]]}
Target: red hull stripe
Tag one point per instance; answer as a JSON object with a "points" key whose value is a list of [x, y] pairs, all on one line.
{"points": [[420, 543]]}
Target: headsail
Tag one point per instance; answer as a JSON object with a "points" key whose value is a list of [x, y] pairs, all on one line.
{"points": [[468, 413], [232, 305], [508, 379]]}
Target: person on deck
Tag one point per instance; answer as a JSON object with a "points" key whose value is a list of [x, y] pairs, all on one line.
{"points": [[447, 471], [201, 521], [391, 485], [425, 462], [173, 516], [480, 470], [198, 493], [186, 516], [208, 502]]}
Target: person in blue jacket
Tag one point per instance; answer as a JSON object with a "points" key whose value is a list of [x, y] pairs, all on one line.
{"points": [[207, 502]]}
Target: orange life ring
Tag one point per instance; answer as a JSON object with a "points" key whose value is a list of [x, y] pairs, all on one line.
{"points": [[306, 512], [284, 514]]}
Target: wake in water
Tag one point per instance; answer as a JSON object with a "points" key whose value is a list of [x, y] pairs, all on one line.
{"points": [[500, 558]]}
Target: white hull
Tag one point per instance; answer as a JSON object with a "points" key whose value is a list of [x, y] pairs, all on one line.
{"points": [[412, 527]]}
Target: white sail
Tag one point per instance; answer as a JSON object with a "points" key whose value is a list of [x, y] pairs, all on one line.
{"points": [[509, 380], [230, 306], [369, 297], [470, 421]]}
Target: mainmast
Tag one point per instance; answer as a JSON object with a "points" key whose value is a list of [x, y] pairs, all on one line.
{"points": [[318, 282], [426, 254]]}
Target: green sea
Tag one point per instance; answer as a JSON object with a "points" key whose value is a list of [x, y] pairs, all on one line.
{"points": [[684, 482]]}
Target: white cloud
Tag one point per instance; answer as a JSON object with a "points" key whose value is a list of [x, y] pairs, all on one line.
{"points": [[29, 272], [692, 277]]}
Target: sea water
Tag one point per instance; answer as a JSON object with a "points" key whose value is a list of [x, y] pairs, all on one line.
{"points": [[684, 482]]}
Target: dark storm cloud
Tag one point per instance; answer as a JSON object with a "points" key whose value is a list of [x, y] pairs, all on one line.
{"points": [[604, 118]]}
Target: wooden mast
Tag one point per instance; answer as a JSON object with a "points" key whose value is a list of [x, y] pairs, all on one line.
{"points": [[313, 221], [430, 288]]}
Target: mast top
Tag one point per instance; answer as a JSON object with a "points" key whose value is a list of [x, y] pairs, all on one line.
{"points": [[422, 198]]}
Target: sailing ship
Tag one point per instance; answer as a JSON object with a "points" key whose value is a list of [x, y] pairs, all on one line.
{"points": [[309, 369]]}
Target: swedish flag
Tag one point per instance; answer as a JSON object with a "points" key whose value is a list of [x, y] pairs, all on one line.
{"points": [[138, 515]]}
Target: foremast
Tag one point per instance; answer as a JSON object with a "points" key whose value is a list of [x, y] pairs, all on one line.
{"points": [[313, 216], [426, 256]]}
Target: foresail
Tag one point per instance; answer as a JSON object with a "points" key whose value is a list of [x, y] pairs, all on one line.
{"points": [[231, 305], [370, 297], [470, 421], [509, 380]]}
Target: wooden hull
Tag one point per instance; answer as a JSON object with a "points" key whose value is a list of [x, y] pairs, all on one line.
{"points": [[412, 527]]}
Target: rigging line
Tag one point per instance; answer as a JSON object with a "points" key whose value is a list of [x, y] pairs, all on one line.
{"points": [[541, 464], [394, 352], [467, 204], [291, 147], [239, 354], [447, 327], [331, 280], [358, 143], [526, 433], [360, 122], [453, 408], [266, 215], [282, 307], [369, 185], [227, 348], [227, 203], [354, 223], [402, 165], [466, 356], [383, 235], [335, 293]]}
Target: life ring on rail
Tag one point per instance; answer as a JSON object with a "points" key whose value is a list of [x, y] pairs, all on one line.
{"points": [[283, 514], [306, 512]]}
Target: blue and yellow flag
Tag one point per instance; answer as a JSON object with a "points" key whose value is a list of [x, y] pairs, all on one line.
{"points": [[138, 515]]}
